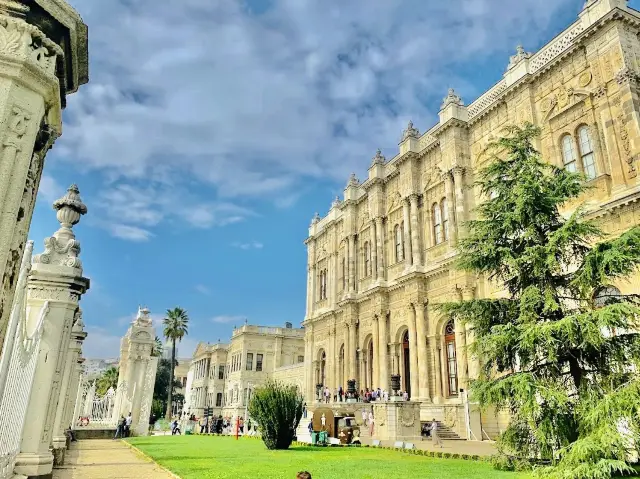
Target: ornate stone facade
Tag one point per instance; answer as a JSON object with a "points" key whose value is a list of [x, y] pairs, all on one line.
{"points": [[43, 57], [224, 375], [382, 257]]}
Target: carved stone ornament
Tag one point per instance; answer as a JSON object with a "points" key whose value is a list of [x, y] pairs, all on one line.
{"points": [[62, 249], [410, 132], [625, 75], [353, 181], [315, 219], [336, 202], [28, 43], [584, 79], [55, 294], [520, 55], [78, 324], [143, 318], [451, 99], [407, 417], [379, 159]]}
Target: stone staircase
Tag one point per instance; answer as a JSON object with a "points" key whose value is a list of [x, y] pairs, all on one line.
{"points": [[302, 431], [446, 433]]}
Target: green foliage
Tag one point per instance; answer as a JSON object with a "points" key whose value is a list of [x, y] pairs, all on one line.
{"points": [[157, 347], [176, 326], [108, 379], [161, 386], [277, 408], [560, 362]]}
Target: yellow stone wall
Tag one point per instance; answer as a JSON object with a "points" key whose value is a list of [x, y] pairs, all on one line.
{"points": [[588, 75]]}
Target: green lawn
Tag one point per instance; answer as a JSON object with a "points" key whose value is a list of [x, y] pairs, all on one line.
{"points": [[223, 457]]}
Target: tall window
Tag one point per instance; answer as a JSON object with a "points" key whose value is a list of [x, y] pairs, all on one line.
{"points": [[444, 210], [258, 362], [219, 400], [367, 258], [569, 154], [399, 240], [323, 284], [343, 273], [221, 372], [249, 361], [301, 359], [586, 152], [452, 366], [437, 223]]}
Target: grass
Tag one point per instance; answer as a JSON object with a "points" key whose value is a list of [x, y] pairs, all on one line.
{"points": [[210, 457]]}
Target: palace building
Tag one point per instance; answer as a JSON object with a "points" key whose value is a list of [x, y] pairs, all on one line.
{"points": [[384, 255], [223, 376]]}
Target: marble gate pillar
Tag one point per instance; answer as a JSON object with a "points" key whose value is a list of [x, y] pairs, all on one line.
{"points": [[36, 73], [56, 277], [67, 391], [139, 367]]}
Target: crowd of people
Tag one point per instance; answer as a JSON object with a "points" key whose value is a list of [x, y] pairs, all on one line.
{"points": [[365, 395]]}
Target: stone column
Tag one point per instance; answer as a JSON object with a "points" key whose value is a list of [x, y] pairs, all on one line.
{"points": [[458, 173], [373, 247], [56, 277], [375, 344], [75, 388], [334, 356], [310, 290], [315, 296], [382, 354], [423, 376], [60, 423], [415, 232], [413, 353], [32, 69], [380, 248], [435, 352], [352, 350], [352, 263], [406, 233], [451, 212]]}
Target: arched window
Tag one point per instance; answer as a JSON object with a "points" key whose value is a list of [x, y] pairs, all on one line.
{"points": [[586, 152], [569, 154], [397, 234], [445, 219], [437, 223], [323, 284], [452, 365], [606, 295], [367, 258]]}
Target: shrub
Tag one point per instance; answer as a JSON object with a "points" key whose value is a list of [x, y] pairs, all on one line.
{"points": [[502, 462], [277, 408]]}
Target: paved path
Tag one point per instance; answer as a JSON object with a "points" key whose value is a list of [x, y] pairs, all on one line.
{"points": [[107, 459]]}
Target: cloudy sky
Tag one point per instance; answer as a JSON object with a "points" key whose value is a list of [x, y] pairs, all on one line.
{"points": [[211, 131]]}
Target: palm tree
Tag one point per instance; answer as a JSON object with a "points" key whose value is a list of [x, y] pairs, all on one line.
{"points": [[175, 328], [157, 347], [109, 379]]}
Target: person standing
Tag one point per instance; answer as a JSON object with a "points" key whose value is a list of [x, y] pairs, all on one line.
{"points": [[120, 428], [434, 434], [364, 417], [371, 423], [127, 425]]}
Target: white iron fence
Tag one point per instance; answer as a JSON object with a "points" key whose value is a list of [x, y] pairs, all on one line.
{"points": [[17, 369], [104, 411]]}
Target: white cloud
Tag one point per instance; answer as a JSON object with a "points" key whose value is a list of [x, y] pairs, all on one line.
{"points": [[253, 105], [50, 190], [128, 232], [249, 245], [202, 289], [130, 210], [227, 319]]}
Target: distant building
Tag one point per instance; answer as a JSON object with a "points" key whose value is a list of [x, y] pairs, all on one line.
{"points": [[225, 375], [93, 368]]}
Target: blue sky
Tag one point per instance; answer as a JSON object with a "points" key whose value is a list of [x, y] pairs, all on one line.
{"points": [[210, 133]]}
